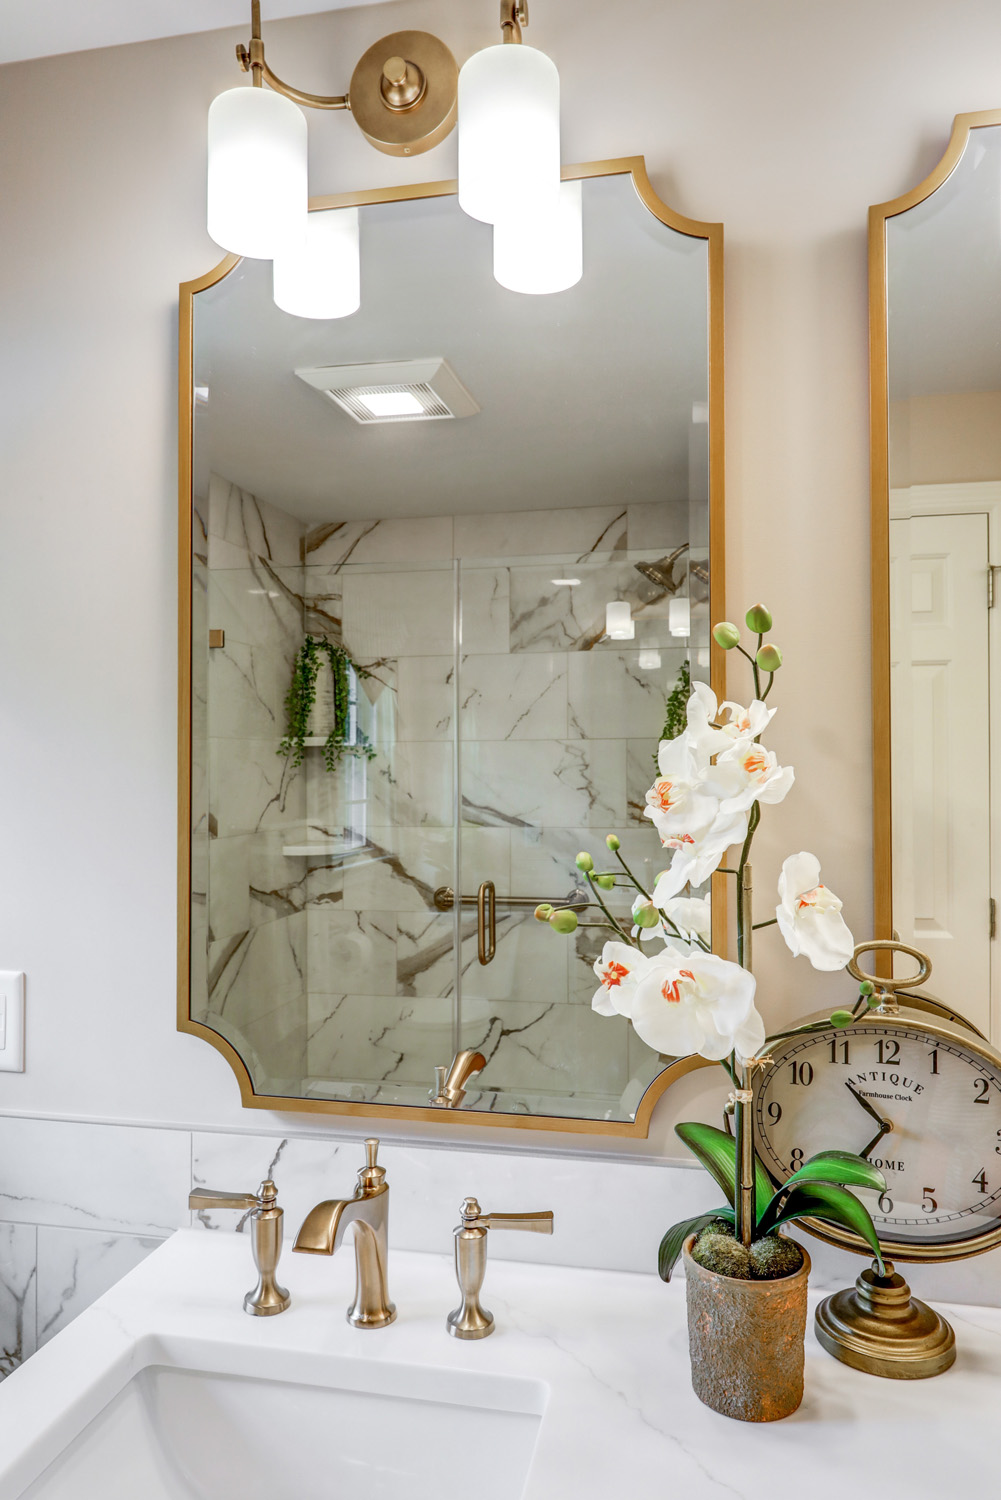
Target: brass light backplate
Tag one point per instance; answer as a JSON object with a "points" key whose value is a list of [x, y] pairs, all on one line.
{"points": [[405, 132]]}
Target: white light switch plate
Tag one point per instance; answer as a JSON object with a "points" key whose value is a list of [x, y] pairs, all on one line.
{"points": [[11, 1021]]}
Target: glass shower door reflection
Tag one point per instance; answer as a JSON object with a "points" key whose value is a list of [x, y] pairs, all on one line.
{"points": [[558, 727]]}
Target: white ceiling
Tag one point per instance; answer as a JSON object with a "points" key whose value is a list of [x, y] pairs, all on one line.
{"points": [[43, 28], [587, 396]]}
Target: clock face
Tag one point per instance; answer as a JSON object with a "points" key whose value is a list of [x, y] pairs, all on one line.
{"points": [[923, 1109]]}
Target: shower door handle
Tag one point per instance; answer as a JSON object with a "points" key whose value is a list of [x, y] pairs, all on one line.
{"points": [[486, 922]]}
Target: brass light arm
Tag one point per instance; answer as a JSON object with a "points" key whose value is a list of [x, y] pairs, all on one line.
{"points": [[252, 60], [513, 16]]}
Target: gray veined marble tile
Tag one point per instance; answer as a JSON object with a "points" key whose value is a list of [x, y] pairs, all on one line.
{"points": [[76, 1266], [246, 686], [377, 1038], [252, 787], [552, 1048], [611, 693], [394, 614], [550, 615], [405, 785], [574, 532], [259, 604], [18, 1286], [121, 1178], [561, 784], [411, 539], [426, 698], [350, 952], [530, 964], [664, 525], [244, 520], [252, 971], [513, 697], [425, 954]]}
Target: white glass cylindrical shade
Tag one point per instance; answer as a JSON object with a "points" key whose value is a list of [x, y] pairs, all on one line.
{"points": [[542, 252], [619, 620], [509, 133], [322, 278], [258, 195], [679, 617]]}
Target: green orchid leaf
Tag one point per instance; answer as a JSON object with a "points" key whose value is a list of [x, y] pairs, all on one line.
{"points": [[717, 1152], [821, 1200], [674, 1239], [840, 1167]]}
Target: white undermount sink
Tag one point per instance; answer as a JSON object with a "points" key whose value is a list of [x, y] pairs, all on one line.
{"points": [[368, 1432]]}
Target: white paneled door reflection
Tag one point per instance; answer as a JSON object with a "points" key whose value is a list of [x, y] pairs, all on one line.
{"points": [[940, 690]]}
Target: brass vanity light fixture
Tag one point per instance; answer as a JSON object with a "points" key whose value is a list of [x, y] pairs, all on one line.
{"points": [[405, 94]]}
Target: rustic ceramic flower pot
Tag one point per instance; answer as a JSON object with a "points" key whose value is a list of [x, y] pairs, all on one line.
{"points": [[746, 1340]]}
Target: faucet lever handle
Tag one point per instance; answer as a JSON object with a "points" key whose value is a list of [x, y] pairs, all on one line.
{"points": [[538, 1223], [210, 1198], [371, 1152]]}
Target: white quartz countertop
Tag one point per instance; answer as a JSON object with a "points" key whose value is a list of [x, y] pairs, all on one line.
{"points": [[607, 1352]]}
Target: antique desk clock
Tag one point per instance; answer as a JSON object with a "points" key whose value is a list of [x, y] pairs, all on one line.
{"points": [[916, 1089]]}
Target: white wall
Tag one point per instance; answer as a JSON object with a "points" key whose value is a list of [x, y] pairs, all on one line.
{"points": [[783, 118]]}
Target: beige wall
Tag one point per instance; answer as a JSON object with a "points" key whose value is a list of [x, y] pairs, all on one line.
{"points": [[784, 119], [945, 439]]}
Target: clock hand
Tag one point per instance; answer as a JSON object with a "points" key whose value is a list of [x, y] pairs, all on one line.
{"points": [[885, 1126]]}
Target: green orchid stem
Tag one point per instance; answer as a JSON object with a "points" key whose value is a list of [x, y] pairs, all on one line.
{"points": [[757, 678], [632, 877], [772, 922], [625, 936], [771, 679]]}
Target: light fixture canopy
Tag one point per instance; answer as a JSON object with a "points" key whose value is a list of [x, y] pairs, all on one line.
{"points": [[542, 253], [258, 196], [322, 277]]}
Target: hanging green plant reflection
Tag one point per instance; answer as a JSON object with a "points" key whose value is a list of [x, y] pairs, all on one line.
{"points": [[301, 696]]}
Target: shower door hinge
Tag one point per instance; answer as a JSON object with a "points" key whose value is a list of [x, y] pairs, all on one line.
{"points": [[992, 592]]}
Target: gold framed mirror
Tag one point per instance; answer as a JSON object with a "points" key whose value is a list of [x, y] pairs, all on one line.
{"points": [[462, 573], [935, 345]]}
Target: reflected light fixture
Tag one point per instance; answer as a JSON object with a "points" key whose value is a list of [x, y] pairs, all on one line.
{"points": [[649, 660], [543, 252], [679, 617], [405, 94], [321, 278], [619, 620]]}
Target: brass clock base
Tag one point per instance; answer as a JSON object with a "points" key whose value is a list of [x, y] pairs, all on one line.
{"points": [[880, 1328]]}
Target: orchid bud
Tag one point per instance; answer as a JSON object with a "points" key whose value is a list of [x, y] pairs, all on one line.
{"points": [[872, 1001], [612, 842], [543, 912], [607, 882], [645, 914], [866, 987], [769, 658], [563, 921], [584, 862], [758, 619], [841, 1018], [726, 635]]}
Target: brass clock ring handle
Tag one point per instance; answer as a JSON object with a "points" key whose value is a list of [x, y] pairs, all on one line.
{"points": [[884, 945]]}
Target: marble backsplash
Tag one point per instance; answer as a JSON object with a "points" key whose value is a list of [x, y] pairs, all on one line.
{"points": [[82, 1203]]}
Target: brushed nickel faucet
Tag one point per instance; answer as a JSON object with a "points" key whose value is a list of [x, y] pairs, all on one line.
{"points": [[267, 1297], [323, 1230], [450, 1085], [471, 1320]]}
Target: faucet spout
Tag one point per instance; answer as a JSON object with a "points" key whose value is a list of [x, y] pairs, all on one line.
{"points": [[323, 1231]]}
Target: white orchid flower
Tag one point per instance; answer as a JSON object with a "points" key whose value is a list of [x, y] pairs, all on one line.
{"points": [[747, 773], [618, 970], [702, 733], [697, 1002], [692, 915], [695, 859], [809, 915], [747, 722], [677, 802]]}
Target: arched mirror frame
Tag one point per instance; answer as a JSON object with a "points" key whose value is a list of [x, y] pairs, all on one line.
{"points": [[879, 215], [713, 235]]}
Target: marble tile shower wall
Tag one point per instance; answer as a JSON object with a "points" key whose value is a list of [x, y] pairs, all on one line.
{"points": [[249, 585], [556, 732]]}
